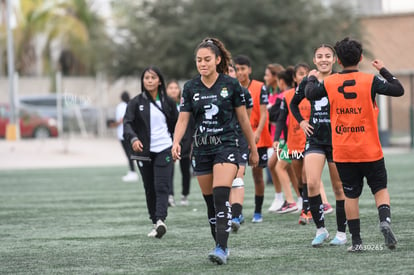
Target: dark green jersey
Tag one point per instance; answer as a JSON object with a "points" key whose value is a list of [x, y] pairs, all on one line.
{"points": [[249, 105], [213, 110], [319, 117]]}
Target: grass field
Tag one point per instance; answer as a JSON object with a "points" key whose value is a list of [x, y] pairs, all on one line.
{"points": [[87, 221]]}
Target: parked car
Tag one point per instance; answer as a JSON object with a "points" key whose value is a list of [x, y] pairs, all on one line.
{"points": [[76, 112], [31, 123]]}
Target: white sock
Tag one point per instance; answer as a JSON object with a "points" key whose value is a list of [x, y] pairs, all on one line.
{"points": [[279, 196], [321, 230], [341, 235]]}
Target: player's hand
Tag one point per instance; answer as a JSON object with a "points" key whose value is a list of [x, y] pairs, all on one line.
{"points": [[314, 73], [306, 127], [137, 146], [256, 137], [377, 64], [276, 146], [254, 157], [176, 151]]}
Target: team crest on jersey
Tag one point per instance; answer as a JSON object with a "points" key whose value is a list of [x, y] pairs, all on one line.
{"points": [[224, 92]]}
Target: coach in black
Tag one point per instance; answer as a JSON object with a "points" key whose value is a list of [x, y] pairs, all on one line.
{"points": [[149, 124]]}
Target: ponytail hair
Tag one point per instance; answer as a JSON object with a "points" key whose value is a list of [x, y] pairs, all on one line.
{"points": [[287, 76], [218, 48]]}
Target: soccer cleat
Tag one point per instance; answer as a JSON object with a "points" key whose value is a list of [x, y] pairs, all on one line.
{"points": [[340, 239], [153, 232], [235, 225], [310, 218], [130, 176], [184, 201], [218, 255], [321, 235], [299, 204], [257, 217], [327, 208], [355, 248], [390, 240], [171, 201], [276, 204], [241, 218], [161, 229], [303, 218], [287, 208]]}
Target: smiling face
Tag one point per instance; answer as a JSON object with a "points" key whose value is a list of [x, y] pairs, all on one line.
{"points": [[243, 72], [269, 78], [324, 59], [151, 81], [300, 73], [207, 62]]}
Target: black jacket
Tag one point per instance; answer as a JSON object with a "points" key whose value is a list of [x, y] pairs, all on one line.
{"points": [[137, 121]]}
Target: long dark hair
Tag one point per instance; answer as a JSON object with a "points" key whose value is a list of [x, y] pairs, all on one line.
{"points": [[218, 48], [161, 88]]}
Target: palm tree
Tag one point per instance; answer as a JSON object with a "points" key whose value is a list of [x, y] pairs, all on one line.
{"points": [[48, 28]]}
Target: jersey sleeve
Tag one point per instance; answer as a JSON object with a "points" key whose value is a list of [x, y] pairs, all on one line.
{"points": [[297, 99], [264, 96], [390, 86], [281, 121], [238, 94], [315, 90], [248, 98], [186, 99]]}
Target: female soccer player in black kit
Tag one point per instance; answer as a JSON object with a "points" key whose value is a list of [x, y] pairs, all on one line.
{"points": [[217, 104]]}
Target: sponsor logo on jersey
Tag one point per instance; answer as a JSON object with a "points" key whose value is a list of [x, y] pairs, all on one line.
{"points": [[141, 108], [341, 129], [349, 111], [196, 97], [211, 110], [323, 102], [231, 157]]}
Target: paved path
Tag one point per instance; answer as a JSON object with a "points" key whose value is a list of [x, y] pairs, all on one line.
{"points": [[61, 152]]}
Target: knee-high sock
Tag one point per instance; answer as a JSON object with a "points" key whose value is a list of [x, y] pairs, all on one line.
{"points": [[355, 229], [211, 214], [236, 210], [258, 201], [316, 208], [306, 206], [340, 216], [223, 215]]}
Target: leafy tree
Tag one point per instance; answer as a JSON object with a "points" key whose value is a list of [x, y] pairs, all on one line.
{"points": [[166, 33]]}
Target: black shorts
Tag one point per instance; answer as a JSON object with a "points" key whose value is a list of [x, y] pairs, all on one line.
{"points": [[203, 165], [352, 176], [262, 151], [243, 151], [319, 149]]}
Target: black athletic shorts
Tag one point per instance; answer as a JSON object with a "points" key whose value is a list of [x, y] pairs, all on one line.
{"points": [[263, 158], [352, 176], [319, 149], [203, 165], [243, 151]]}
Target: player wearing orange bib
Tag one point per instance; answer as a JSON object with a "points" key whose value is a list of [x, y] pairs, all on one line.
{"points": [[260, 124], [356, 147]]}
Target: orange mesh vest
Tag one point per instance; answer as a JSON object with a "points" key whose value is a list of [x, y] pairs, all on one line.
{"points": [[353, 118], [296, 137], [265, 140]]}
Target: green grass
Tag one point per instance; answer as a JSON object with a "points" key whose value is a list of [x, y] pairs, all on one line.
{"points": [[87, 221]]}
